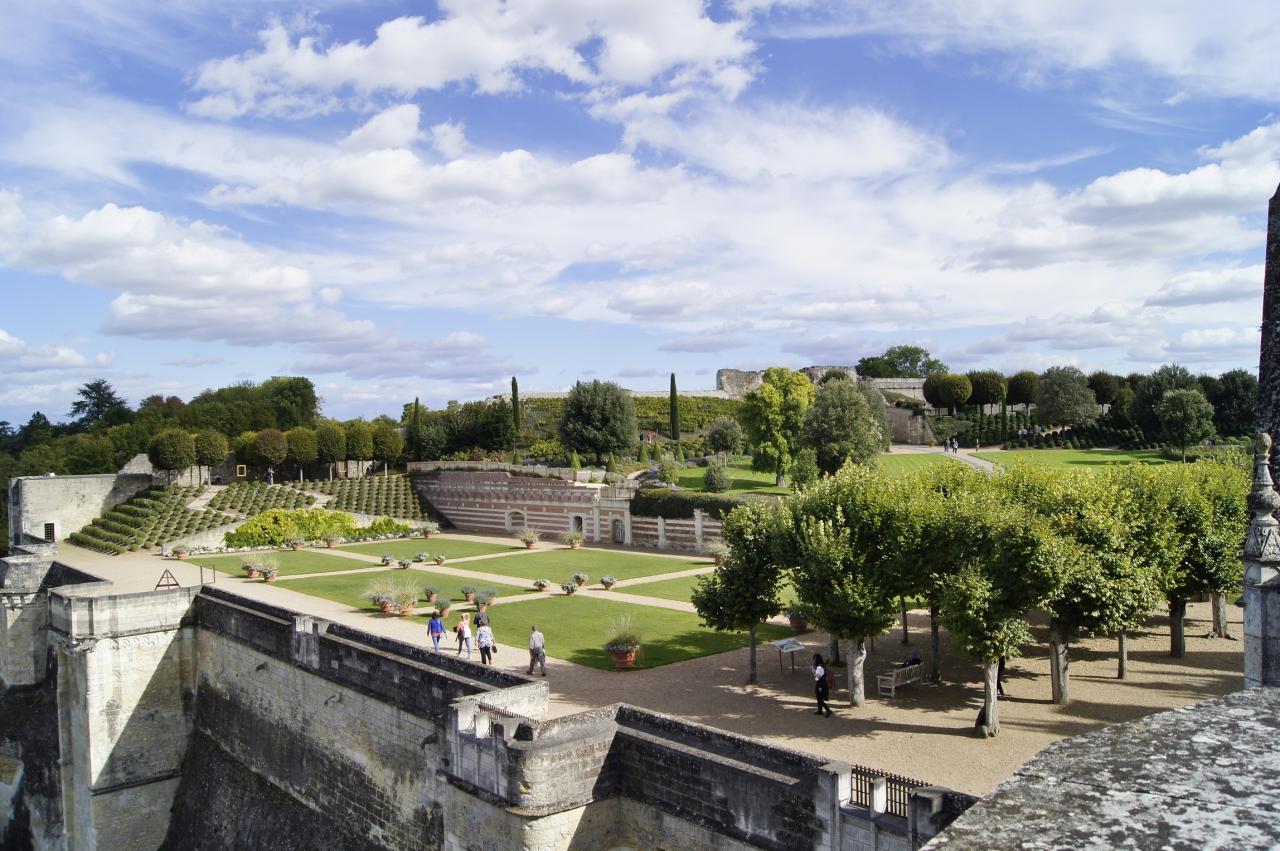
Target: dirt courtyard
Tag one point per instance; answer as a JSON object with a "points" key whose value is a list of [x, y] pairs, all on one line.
{"points": [[926, 732]]}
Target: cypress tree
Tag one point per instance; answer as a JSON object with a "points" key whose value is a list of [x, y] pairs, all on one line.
{"points": [[515, 410], [675, 411], [415, 432]]}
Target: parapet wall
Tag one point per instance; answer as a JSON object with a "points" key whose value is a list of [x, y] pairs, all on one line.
{"points": [[67, 502]]}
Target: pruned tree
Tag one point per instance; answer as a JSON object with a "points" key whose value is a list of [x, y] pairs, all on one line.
{"points": [[1186, 418], [1022, 388], [841, 426], [331, 444], [674, 406], [303, 447], [745, 590], [172, 450], [773, 417], [271, 447], [359, 442], [599, 417], [724, 435], [947, 390], [989, 387], [1063, 397], [388, 445], [1151, 389], [1235, 404], [1105, 386], [211, 447]]}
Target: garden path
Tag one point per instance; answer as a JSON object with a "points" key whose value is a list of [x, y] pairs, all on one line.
{"points": [[201, 502]]}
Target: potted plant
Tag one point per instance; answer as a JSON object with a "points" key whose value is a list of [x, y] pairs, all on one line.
{"points": [[529, 537], [573, 539], [432, 593], [580, 578], [569, 588], [250, 570], [469, 593], [429, 529], [330, 542], [542, 584], [420, 557], [295, 545], [269, 572], [483, 599], [608, 582], [379, 593], [443, 607], [181, 553], [439, 559], [624, 642], [386, 559], [719, 553], [799, 618], [404, 563], [403, 596]]}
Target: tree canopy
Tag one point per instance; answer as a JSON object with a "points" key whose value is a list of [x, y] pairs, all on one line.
{"points": [[841, 426], [1151, 390], [1186, 418], [1063, 397], [599, 417], [773, 417], [900, 362]]}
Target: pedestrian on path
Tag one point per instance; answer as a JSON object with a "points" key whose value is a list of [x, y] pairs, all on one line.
{"points": [[485, 641], [435, 628], [537, 651], [821, 689], [463, 631]]}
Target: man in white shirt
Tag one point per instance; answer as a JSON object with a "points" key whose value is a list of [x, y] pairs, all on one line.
{"points": [[537, 651]]}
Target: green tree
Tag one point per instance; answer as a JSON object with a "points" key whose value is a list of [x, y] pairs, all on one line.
{"points": [[1121, 412], [1022, 388], [388, 445], [773, 417], [1151, 390], [1186, 418], [304, 447], [1063, 397], [1105, 386], [359, 442], [674, 405], [515, 412], [988, 385], [292, 399], [745, 590], [96, 399], [271, 447], [331, 444], [172, 450], [724, 435], [599, 417], [415, 433], [242, 446], [947, 390], [901, 362], [211, 447], [1235, 405], [840, 427]]}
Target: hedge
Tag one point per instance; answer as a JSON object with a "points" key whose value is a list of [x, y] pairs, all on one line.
{"points": [[679, 504]]}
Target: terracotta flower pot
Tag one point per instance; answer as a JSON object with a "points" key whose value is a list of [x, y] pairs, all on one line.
{"points": [[180, 556], [439, 559], [295, 547], [575, 545], [528, 545], [385, 606], [471, 598], [251, 574], [720, 559], [608, 586], [330, 544], [268, 579], [431, 598], [482, 607], [406, 611], [799, 624], [624, 659]]}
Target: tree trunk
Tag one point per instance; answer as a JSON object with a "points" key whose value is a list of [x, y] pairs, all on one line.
{"points": [[856, 653], [751, 664], [1122, 671], [1059, 638], [906, 638], [990, 706], [935, 639], [1177, 627], [833, 650], [331, 472], [1220, 627]]}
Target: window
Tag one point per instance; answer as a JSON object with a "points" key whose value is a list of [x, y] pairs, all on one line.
{"points": [[49, 533]]}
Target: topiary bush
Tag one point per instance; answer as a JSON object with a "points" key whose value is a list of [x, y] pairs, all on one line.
{"points": [[717, 479]]}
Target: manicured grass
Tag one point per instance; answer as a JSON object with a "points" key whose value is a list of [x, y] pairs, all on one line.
{"points": [[291, 563], [1074, 457], [559, 565], [744, 479], [576, 628], [667, 589], [448, 547], [910, 462], [350, 588]]}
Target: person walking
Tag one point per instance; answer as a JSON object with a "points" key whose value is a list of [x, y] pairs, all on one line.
{"points": [[820, 689], [435, 628], [463, 631], [537, 651], [485, 641]]}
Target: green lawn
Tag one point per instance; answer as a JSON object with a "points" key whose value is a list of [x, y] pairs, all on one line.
{"points": [[744, 479], [667, 589], [291, 563], [448, 547], [576, 627], [559, 565], [904, 463], [1074, 457], [349, 589]]}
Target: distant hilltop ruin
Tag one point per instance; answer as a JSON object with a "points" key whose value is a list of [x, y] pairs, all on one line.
{"points": [[735, 383]]}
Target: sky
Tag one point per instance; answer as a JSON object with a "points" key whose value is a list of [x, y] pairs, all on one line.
{"points": [[403, 199]]}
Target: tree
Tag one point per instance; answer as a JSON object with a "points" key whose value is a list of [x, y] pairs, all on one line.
{"points": [[242, 447], [901, 362], [331, 444], [1022, 388], [1063, 397], [773, 417], [172, 450], [303, 447], [388, 445], [840, 427], [1151, 390], [988, 387], [1105, 386], [271, 447], [96, 399], [414, 435], [745, 590], [211, 447], [1186, 418], [292, 399], [724, 435], [599, 417], [1121, 412], [515, 412], [674, 405], [947, 390], [1235, 406], [359, 442]]}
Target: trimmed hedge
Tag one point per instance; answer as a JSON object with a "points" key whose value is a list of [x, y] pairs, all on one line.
{"points": [[679, 504]]}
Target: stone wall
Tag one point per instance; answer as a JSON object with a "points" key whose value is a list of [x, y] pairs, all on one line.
{"points": [[68, 502], [909, 428]]}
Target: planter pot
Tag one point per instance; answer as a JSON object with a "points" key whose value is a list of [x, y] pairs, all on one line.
{"points": [[575, 545], [608, 587], [251, 574], [406, 611], [444, 612], [580, 582], [432, 598], [569, 593], [720, 559], [482, 608], [295, 547], [439, 559], [385, 606], [528, 545], [799, 624], [624, 659], [268, 579], [180, 556], [427, 534], [471, 598], [330, 544]]}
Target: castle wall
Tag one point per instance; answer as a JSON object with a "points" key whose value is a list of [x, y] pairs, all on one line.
{"points": [[68, 502]]}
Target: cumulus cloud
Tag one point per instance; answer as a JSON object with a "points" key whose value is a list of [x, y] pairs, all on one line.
{"points": [[1209, 287], [17, 354], [395, 127]]}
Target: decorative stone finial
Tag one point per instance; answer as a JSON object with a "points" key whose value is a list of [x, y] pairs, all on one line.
{"points": [[1263, 543]]}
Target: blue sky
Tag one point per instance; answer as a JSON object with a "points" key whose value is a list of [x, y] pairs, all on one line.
{"points": [[402, 199]]}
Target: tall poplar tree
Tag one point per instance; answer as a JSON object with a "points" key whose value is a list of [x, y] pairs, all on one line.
{"points": [[675, 411], [515, 412]]}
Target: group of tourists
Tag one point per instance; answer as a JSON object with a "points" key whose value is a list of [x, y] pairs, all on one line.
{"points": [[951, 445], [484, 640]]}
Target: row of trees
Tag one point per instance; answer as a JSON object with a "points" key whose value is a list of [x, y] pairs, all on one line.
{"points": [[1097, 551]]}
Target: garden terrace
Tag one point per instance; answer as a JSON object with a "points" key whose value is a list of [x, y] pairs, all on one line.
{"points": [[148, 521], [250, 498], [391, 496]]}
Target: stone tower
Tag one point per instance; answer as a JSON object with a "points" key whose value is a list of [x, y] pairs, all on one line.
{"points": [[1269, 362]]}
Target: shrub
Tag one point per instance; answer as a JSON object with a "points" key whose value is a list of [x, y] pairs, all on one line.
{"points": [[529, 536], [717, 479], [571, 537], [276, 527], [668, 470], [542, 584], [580, 578], [608, 581], [568, 587], [485, 597], [659, 502], [624, 637], [804, 470], [468, 589]]}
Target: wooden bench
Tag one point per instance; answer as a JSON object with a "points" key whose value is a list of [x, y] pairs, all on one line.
{"points": [[889, 682]]}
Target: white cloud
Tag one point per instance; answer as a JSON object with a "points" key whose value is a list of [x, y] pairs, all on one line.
{"points": [[1209, 287], [395, 127], [1216, 341], [17, 354]]}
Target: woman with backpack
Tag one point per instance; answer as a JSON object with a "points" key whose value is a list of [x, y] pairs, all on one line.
{"points": [[821, 689]]}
